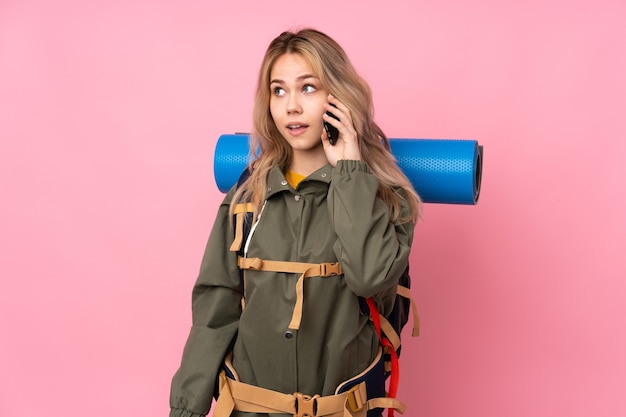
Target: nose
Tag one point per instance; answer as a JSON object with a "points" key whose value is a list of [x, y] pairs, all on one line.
{"points": [[293, 104]]}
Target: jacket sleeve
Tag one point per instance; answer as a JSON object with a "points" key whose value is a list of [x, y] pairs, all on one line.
{"points": [[373, 251], [216, 307]]}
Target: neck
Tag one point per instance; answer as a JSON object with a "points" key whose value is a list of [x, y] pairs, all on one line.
{"points": [[305, 163]]}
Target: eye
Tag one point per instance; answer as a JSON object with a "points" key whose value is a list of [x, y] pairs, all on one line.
{"points": [[309, 88], [278, 91]]}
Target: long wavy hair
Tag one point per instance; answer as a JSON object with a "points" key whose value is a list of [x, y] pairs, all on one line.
{"points": [[331, 66]]}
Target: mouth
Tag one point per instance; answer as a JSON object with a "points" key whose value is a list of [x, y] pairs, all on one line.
{"points": [[292, 126], [297, 128]]}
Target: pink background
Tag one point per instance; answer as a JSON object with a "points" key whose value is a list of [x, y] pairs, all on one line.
{"points": [[109, 114]]}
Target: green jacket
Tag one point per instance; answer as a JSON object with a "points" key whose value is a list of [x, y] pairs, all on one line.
{"points": [[333, 215]]}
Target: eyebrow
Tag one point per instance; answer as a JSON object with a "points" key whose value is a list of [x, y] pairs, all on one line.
{"points": [[300, 78]]}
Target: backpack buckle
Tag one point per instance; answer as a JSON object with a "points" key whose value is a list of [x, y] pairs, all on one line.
{"points": [[306, 406], [354, 398], [330, 269]]}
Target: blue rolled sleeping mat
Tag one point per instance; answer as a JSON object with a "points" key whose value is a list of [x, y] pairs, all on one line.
{"points": [[444, 171]]}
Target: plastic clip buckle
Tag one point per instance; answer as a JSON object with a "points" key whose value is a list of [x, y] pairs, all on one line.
{"points": [[330, 269], [353, 399], [306, 406]]}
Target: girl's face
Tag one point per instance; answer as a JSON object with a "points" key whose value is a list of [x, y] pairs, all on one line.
{"points": [[297, 103]]}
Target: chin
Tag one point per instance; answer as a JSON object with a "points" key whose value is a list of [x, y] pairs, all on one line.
{"points": [[303, 142]]}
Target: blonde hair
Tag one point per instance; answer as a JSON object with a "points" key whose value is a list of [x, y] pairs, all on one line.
{"points": [[331, 66]]}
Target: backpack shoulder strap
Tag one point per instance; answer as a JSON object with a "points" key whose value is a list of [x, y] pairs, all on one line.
{"points": [[242, 221]]}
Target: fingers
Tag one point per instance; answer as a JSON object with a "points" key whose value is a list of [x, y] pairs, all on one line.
{"points": [[348, 146], [337, 108], [344, 123]]}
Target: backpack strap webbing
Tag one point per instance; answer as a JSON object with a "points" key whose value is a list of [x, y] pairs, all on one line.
{"points": [[326, 269], [239, 396], [406, 293], [235, 395], [240, 212], [388, 347]]}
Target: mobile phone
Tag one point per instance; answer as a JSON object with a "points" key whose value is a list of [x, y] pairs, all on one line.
{"points": [[331, 131]]}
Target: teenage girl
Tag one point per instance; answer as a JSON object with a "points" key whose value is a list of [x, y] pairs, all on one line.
{"points": [[332, 223]]}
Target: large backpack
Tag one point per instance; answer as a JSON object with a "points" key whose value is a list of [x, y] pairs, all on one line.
{"points": [[388, 327]]}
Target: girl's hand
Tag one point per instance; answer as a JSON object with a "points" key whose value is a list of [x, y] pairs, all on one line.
{"points": [[347, 145]]}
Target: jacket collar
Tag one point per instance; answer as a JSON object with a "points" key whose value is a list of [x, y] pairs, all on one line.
{"points": [[276, 181]]}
